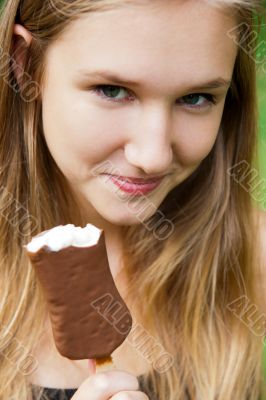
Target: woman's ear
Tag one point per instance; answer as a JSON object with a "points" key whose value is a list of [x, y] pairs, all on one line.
{"points": [[21, 41]]}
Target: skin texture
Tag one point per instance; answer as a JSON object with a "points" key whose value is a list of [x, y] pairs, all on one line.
{"points": [[152, 130]]}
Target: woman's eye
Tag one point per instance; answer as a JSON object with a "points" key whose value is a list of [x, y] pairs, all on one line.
{"points": [[110, 92], [198, 100], [120, 94]]}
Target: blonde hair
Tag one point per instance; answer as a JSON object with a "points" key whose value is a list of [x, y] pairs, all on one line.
{"points": [[187, 280]]}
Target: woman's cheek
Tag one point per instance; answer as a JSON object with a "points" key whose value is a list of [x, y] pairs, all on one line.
{"points": [[196, 143], [97, 134]]}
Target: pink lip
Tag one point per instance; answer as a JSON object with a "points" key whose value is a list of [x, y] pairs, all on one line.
{"points": [[139, 180], [135, 187]]}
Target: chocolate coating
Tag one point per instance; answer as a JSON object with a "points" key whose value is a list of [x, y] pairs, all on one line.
{"points": [[89, 318]]}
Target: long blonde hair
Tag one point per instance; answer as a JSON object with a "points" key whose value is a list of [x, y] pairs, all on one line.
{"points": [[188, 280]]}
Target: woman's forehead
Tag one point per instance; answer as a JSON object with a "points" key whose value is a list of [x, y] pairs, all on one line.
{"points": [[174, 39], [159, 15], [77, 7]]}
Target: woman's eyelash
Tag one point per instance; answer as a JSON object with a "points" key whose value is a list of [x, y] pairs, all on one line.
{"points": [[210, 98], [98, 89]]}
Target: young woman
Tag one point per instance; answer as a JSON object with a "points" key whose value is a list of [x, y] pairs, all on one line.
{"points": [[161, 94]]}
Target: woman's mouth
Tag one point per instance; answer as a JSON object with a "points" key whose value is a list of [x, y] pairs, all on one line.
{"points": [[135, 186]]}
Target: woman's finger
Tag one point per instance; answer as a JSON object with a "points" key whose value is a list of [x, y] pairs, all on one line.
{"points": [[104, 385], [133, 395]]}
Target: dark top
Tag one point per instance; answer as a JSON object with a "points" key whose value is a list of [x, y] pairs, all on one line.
{"points": [[66, 394]]}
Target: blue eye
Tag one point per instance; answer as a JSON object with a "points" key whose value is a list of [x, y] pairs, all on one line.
{"points": [[110, 92], [120, 94], [198, 100]]}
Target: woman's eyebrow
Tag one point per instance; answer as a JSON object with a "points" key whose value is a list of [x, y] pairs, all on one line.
{"points": [[114, 78]]}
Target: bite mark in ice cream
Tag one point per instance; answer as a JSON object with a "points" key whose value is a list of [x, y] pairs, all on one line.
{"points": [[63, 236]]}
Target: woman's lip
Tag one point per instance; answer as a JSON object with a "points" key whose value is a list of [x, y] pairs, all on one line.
{"points": [[135, 188], [136, 180]]}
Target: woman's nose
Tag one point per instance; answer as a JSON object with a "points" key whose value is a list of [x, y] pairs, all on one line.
{"points": [[150, 144]]}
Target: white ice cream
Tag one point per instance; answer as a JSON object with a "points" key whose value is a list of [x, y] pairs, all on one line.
{"points": [[63, 236]]}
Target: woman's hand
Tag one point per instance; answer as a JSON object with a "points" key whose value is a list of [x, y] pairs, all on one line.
{"points": [[110, 385]]}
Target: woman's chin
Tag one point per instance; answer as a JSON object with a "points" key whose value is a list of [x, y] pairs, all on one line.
{"points": [[123, 216]]}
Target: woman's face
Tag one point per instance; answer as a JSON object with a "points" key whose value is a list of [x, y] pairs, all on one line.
{"points": [[157, 119]]}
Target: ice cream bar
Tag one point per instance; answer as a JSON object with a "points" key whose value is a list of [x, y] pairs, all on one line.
{"points": [[88, 316]]}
